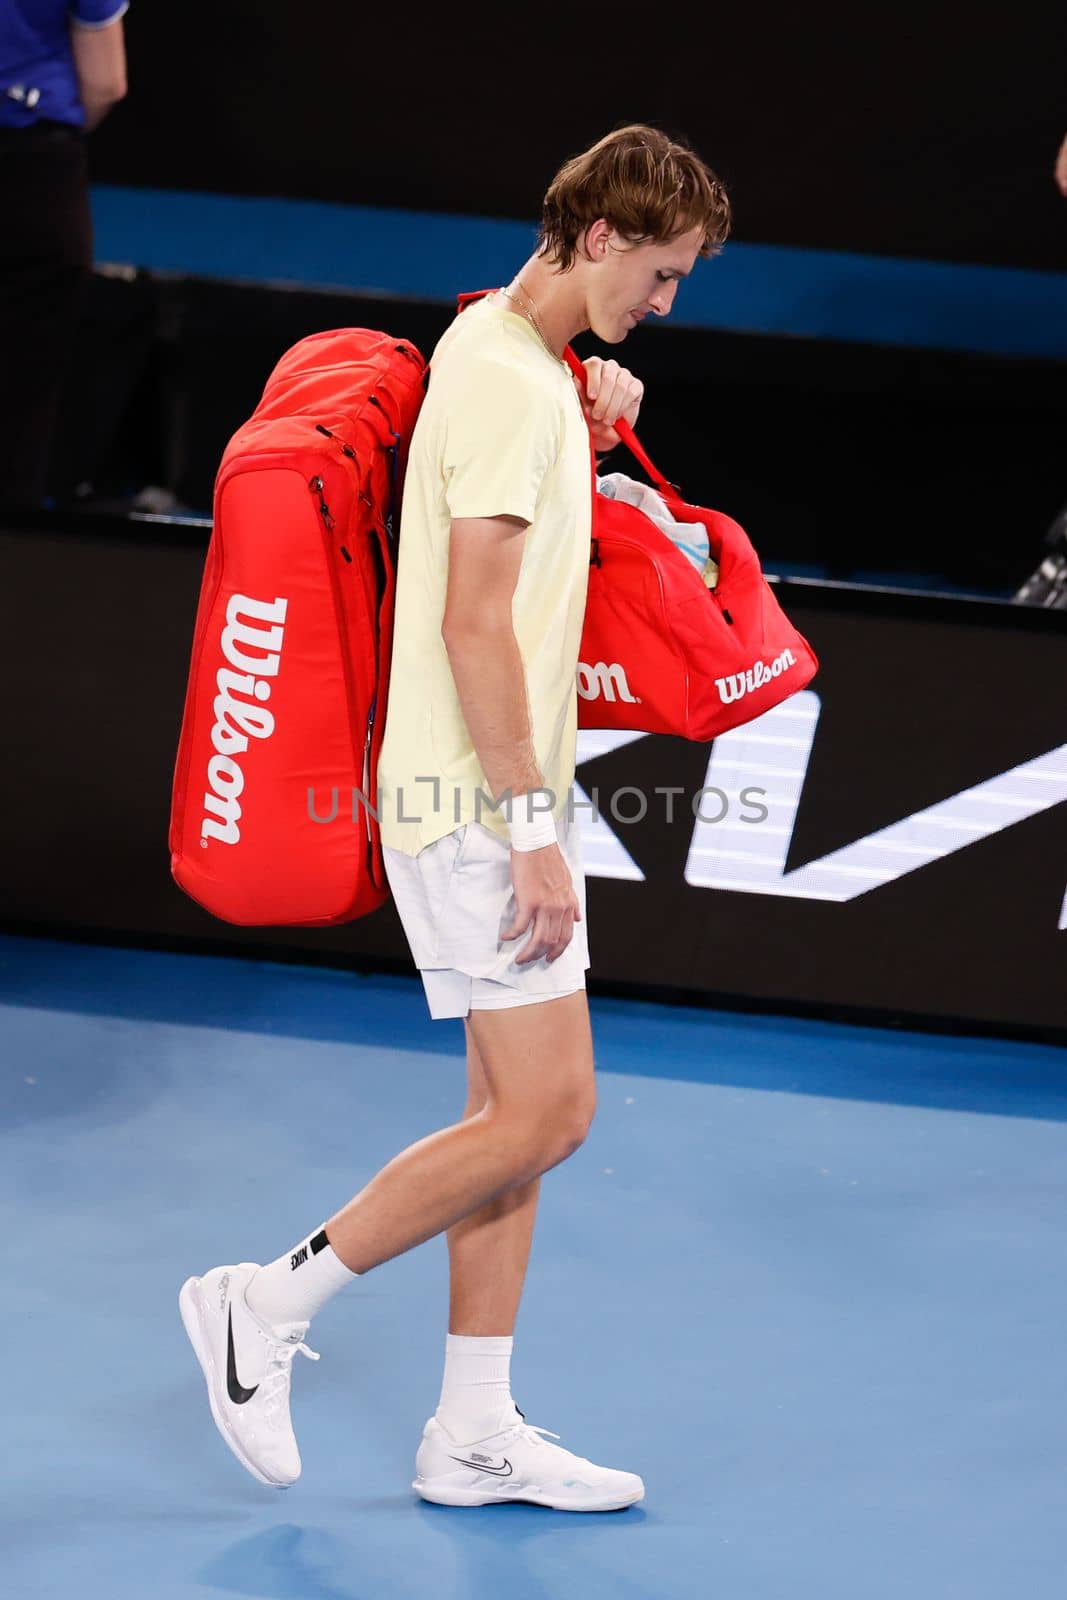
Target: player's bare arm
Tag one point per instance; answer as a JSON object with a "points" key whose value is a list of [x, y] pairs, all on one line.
{"points": [[485, 555]]}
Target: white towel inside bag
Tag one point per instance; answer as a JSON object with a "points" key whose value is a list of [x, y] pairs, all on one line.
{"points": [[691, 538]]}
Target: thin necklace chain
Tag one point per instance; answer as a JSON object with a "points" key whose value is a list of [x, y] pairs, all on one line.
{"points": [[534, 320]]}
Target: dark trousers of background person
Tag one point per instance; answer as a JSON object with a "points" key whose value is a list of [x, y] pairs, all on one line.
{"points": [[46, 249]]}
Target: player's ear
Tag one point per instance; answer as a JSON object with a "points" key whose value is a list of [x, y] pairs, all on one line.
{"points": [[597, 239], [600, 237]]}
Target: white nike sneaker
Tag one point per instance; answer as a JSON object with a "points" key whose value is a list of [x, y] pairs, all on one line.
{"points": [[248, 1369], [517, 1464]]}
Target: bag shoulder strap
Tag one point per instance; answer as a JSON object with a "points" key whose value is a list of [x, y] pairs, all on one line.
{"points": [[626, 433]]}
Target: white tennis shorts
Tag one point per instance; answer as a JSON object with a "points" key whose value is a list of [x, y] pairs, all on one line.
{"points": [[454, 900]]}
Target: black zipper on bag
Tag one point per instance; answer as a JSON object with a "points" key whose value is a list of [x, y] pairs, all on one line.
{"points": [[393, 452], [317, 486], [718, 601], [372, 399], [346, 449], [366, 763]]}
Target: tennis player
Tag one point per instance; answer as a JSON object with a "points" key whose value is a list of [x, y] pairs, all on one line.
{"points": [[477, 824]]}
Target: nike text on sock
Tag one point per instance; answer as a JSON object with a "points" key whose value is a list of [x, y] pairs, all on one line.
{"points": [[299, 1283], [476, 1392]]}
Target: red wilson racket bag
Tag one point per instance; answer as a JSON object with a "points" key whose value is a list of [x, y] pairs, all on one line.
{"points": [[660, 651], [292, 642]]}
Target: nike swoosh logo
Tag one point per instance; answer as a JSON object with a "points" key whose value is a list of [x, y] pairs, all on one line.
{"points": [[237, 1393], [479, 1466]]}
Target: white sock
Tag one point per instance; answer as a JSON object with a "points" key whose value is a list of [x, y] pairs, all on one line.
{"points": [[476, 1394], [295, 1286]]}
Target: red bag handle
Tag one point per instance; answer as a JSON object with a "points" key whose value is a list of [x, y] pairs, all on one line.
{"points": [[622, 428], [624, 431]]}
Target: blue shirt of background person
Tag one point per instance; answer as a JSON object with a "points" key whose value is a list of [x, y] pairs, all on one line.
{"points": [[39, 78]]}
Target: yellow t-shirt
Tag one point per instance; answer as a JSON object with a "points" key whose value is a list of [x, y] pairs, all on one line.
{"points": [[501, 432]]}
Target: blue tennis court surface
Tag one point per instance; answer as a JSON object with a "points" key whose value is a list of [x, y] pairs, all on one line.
{"points": [[809, 1280]]}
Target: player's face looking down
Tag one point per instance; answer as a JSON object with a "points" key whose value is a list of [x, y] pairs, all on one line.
{"points": [[628, 281]]}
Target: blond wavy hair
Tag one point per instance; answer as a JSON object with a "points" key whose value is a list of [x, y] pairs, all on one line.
{"points": [[650, 187]]}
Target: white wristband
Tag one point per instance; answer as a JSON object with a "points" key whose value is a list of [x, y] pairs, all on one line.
{"points": [[530, 827]]}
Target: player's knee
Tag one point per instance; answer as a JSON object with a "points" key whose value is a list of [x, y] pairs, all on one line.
{"points": [[565, 1127], [582, 1113]]}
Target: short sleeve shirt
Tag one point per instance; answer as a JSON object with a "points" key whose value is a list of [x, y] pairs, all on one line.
{"points": [[501, 433], [37, 77]]}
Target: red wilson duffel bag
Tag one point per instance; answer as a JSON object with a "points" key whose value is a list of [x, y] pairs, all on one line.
{"points": [[660, 651]]}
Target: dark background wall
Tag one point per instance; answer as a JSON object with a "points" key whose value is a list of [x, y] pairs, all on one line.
{"points": [[905, 134], [904, 131]]}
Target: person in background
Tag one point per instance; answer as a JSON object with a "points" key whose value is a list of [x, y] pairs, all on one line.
{"points": [[1047, 584], [62, 68]]}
